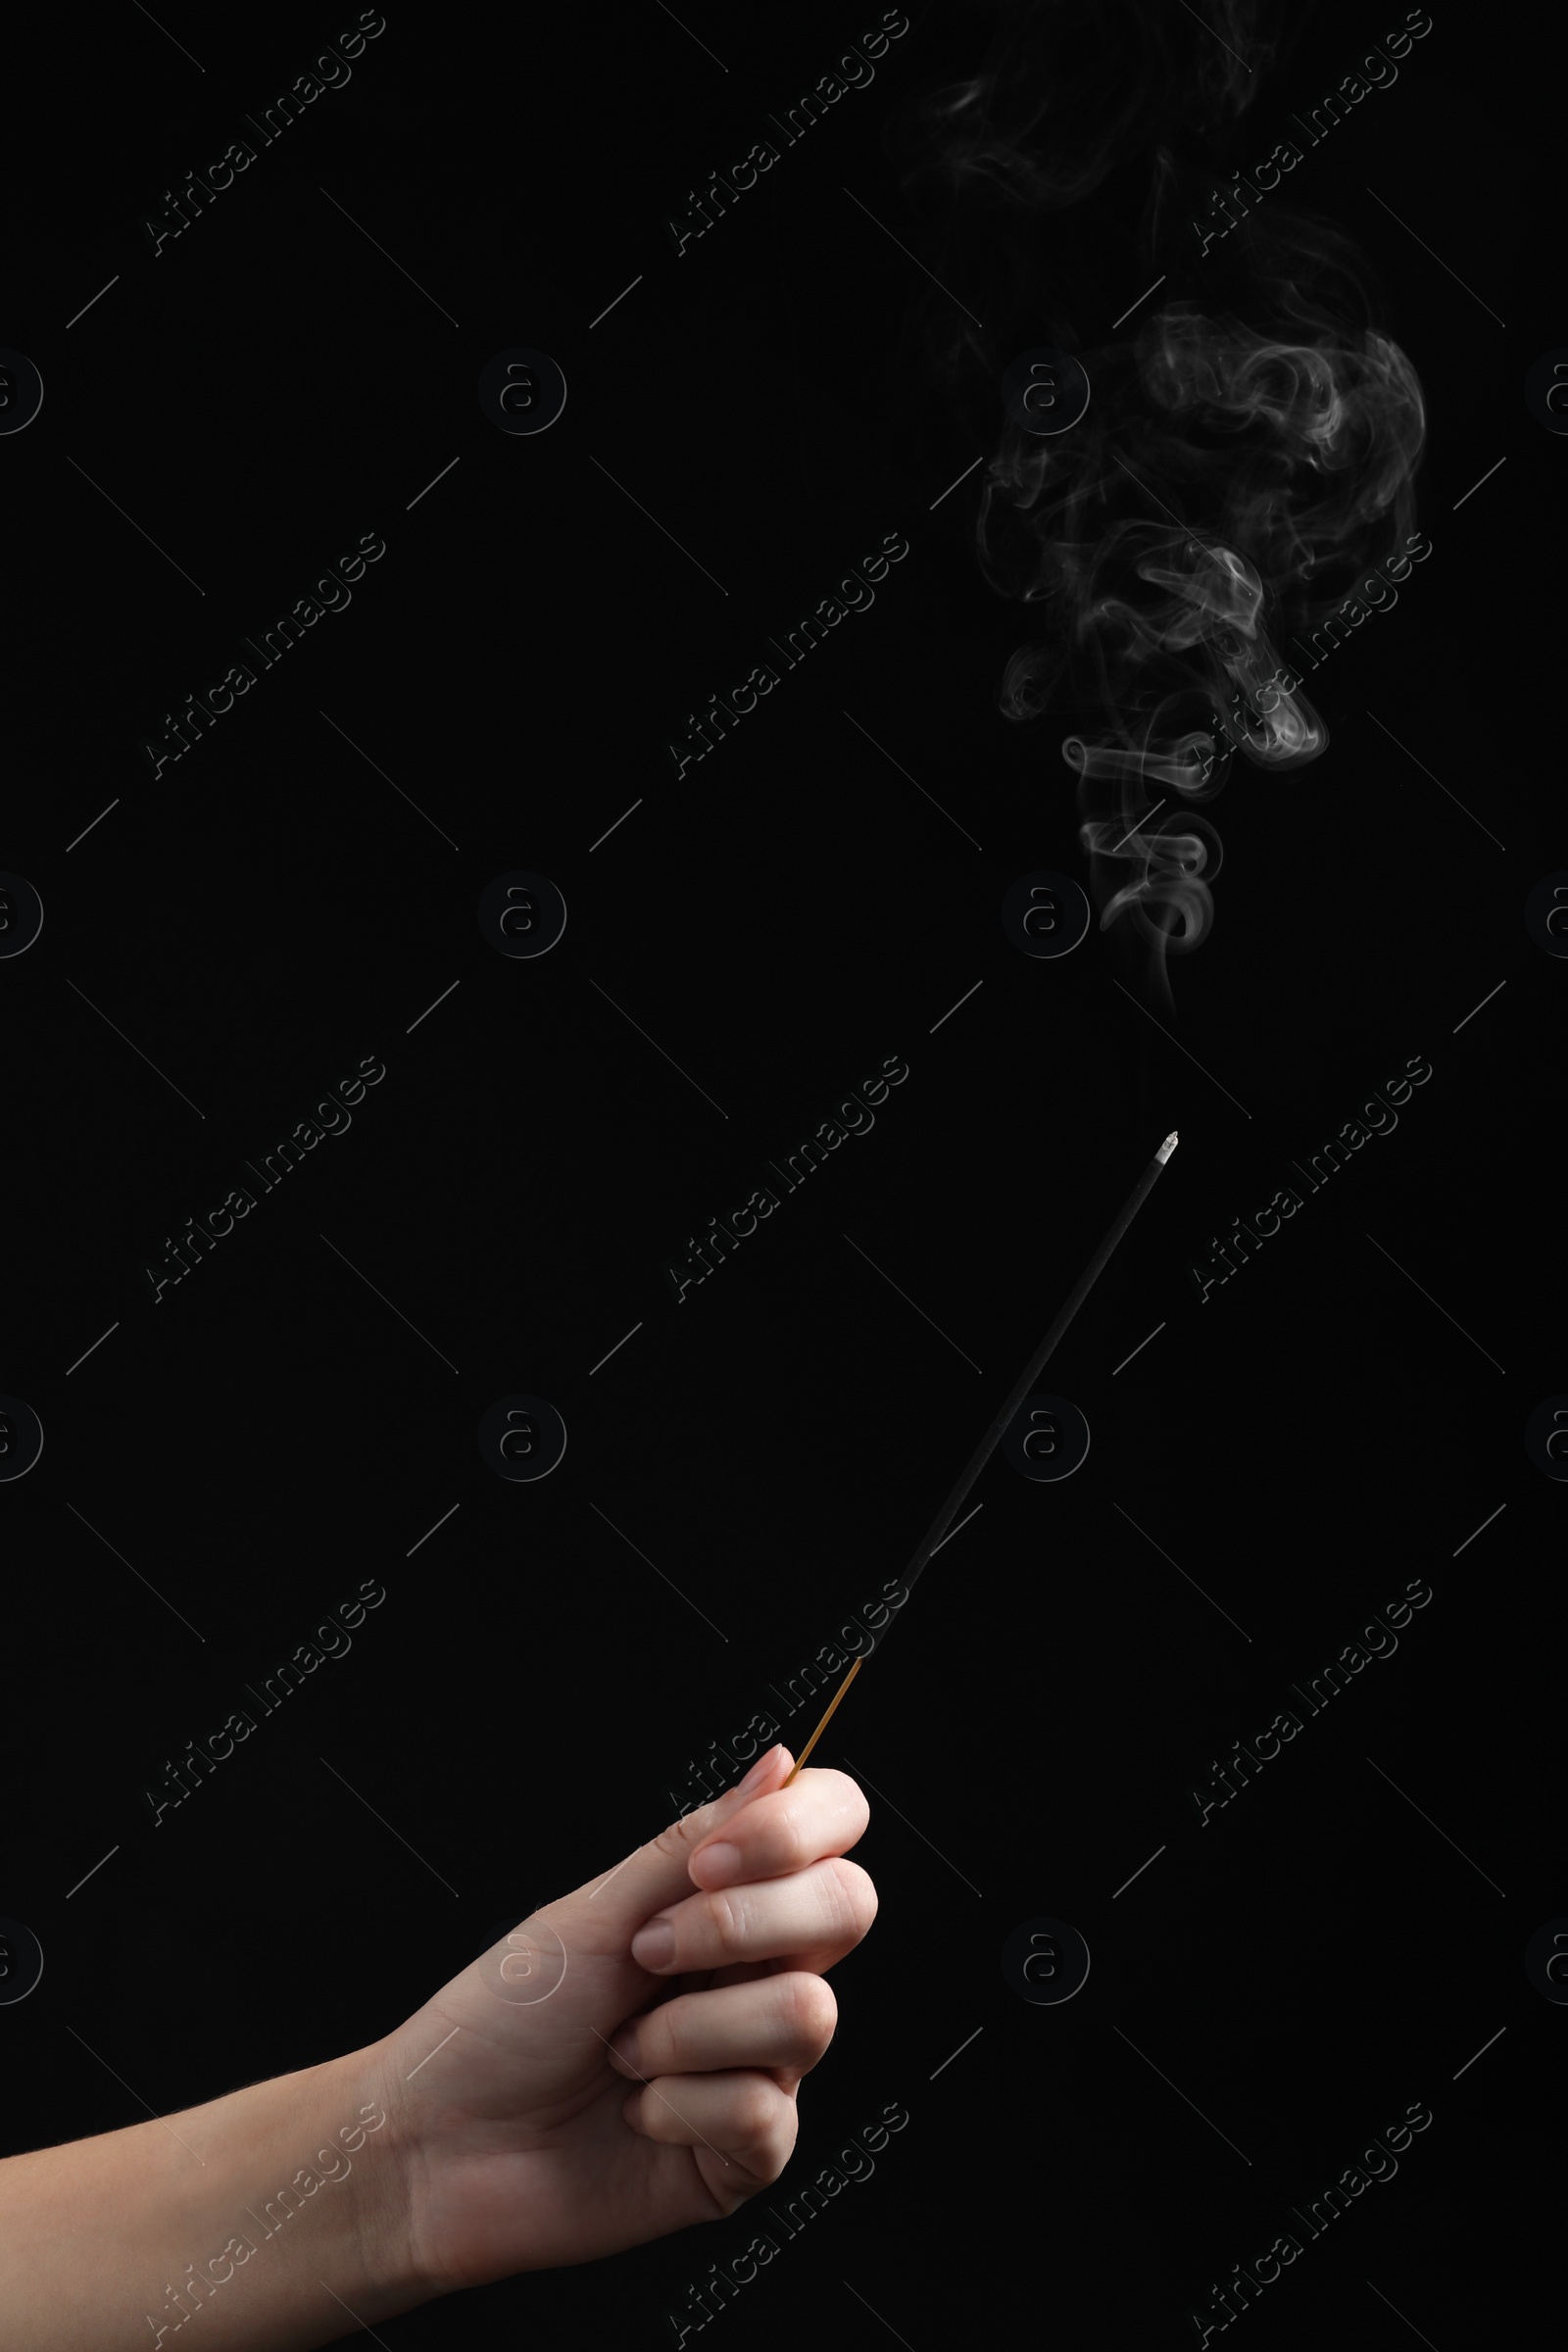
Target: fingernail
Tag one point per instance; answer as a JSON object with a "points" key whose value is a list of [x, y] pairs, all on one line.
{"points": [[758, 1772], [720, 1864], [654, 1947]]}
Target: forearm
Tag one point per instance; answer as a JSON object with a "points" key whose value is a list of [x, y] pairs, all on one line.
{"points": [[277, 2213]]}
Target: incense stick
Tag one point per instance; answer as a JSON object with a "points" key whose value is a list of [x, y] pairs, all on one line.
{"points": [[1005, 1418], [822, 1726]]}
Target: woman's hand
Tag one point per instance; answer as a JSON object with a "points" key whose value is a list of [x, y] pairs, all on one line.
{"points": [[588, 2084], [625, 2063]]}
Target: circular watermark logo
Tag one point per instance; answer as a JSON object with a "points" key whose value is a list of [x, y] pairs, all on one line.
{"points": [[1045, 1961], [1546, 391], [522, 914], [522, 391], [525, 1965], [21, 1438], [1546, 1961], [1545, 913], [1547, 1438], [522, 1438], [1047, 1439], [1044, 913], [20, 1960], [1045, 390], [21, 391], [21, 914]]}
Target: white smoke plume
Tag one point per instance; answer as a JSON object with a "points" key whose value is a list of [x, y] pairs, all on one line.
{"points": [[1250, 445]]}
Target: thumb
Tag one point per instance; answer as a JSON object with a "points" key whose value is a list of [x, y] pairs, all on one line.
{"points": [[602, 1916]]}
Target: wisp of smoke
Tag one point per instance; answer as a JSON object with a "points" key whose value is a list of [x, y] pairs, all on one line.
{"points": [[1250, 443]]}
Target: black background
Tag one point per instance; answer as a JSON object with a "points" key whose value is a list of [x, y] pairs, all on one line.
{"points": [[777, 921]]}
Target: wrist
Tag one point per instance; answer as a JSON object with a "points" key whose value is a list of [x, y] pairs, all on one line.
{"points": [[302, 2175], [278, 2213], [355, 2105]]}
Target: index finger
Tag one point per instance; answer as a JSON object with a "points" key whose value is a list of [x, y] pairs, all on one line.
{"points": [[820, 1814]]}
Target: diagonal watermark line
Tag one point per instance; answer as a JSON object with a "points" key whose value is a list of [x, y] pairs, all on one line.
{"points": [[1481, 2053], [1139, 1871], [353, 2314], [621, 820], [904, 772], [398, 266], [1138, 1351], [619, 1344], [621, 1865], [430, 1531], [1480, 1530], [1441, 786], [1181, 2094], [1142, 822], [958, 2053], [1475, 486], [436, 2053], [1181, 1570], [657, 526], [1143, 297], [691, 36], [98, 297], [429, 1008], [1398, 2315], [904, 250], [952, 1008], [97, 820], [81, 1359], [1426, 247], [658, 1048], [953, 1531], [1442, 1834], [397, 1834], [669, 2104], [1225, 45], [610, 306], [136, 1572], [1181, 1048], [151, 1064], [952, 486], [382, 771], [136, 2096], [169, 37], [413, 502], [919, 1311], [135, 527], [386, 1301], [871, 2308], [1481, 1007], [97, 1866], [658, 1571], [924, 1840], [1443, 1310]]}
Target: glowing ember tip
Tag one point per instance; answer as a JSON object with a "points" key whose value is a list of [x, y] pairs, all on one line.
{"points": [[1167, 1147]]}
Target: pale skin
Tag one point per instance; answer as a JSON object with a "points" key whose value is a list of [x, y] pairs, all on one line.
{"points": [[565, 2096]]}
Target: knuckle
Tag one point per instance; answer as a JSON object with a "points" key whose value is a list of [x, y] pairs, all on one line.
{"points": [[757, 2113], [853, 1897], [811, 2012], [676, 1843], [728, 1917], [779, 2146], [652, 2118], [662, 2041], [789, 1845], [851, 1798]]}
